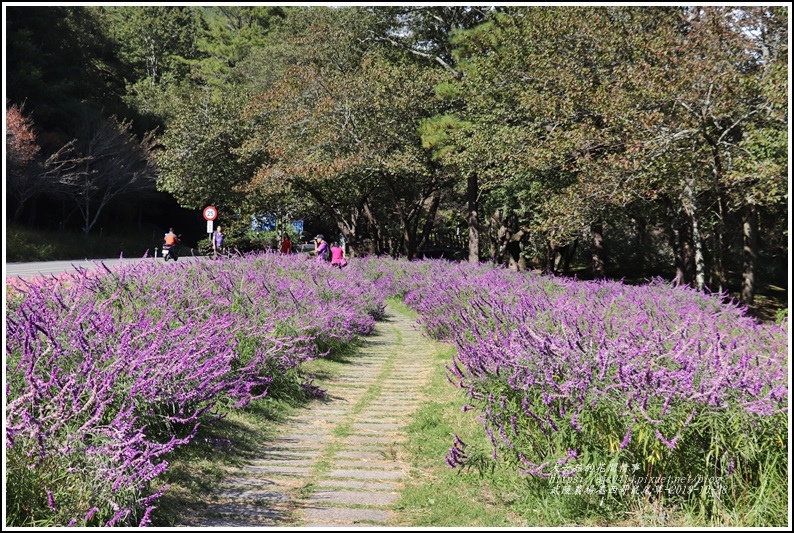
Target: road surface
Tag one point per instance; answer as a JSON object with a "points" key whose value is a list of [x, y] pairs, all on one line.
{"points": [[46, 268]]}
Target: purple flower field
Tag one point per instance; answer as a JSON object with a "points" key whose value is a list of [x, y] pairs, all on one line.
{"points": [[569, 375], [109, 372]]}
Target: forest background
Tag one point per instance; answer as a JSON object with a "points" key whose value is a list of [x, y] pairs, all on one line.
{"points": [[596, 141]]}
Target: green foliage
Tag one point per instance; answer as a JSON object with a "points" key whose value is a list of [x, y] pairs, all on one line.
{"points": [[370, 118], [28, 505], [447, 91], [781, 315], [156, 41], [24, 244], [435, 134], [197, 165], [232, 34], [58, 56]]}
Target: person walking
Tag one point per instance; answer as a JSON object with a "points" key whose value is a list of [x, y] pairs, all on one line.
{"points": [[217, 242], [337, 255]]}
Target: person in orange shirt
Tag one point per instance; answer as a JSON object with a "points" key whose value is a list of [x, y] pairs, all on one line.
{"points": [[170, 238]]}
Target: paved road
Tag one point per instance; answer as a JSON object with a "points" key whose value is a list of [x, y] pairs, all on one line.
{"points": [[46, 268], [340, 462]]}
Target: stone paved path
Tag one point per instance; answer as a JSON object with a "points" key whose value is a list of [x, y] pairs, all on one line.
{"points": [[337, 463]]}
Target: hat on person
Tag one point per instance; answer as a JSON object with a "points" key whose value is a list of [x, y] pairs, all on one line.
{"points": [[319, 236]]}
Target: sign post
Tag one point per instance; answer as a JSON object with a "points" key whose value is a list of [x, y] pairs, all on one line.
{"points": [[210, 214]]}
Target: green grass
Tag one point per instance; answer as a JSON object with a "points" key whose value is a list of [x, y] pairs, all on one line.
{"points": [[436, 495], [196, 470], [492, 494]]}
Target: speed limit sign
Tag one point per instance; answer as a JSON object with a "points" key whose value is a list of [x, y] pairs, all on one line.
{"points": [[210, 213]]}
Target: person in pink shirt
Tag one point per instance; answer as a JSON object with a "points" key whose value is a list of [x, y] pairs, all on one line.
{"points": [[337, 255]]}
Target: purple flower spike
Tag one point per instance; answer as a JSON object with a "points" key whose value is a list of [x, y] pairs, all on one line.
{"points": [[626, 439], [669, 443], [455, 455]]}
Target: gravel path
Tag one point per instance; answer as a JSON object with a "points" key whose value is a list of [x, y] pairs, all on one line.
{"points": [[337, 463]]}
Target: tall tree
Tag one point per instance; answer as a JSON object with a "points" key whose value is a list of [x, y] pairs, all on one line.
{"points": [[105, 163], [197, 164], [341, 125], [23, 161], [233, 34], [56, 58], [159, 44], [427, 33], [712, 123], [757, 178]]}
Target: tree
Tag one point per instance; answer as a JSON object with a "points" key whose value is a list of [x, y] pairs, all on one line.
{"points": [[428, 33], [341, 126], [56, 58], [233, 34], [105, 163], [159, 46], [757, 180], [533, 118], [23, 165], [716, 130], [198, 164]]}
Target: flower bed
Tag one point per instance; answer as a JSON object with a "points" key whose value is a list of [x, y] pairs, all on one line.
{"points": [[108, 372]]}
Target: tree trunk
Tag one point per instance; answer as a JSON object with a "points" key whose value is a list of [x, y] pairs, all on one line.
{"points": [[554, 256], [501, 236], [641, 227], [430, 221], [719, 256], [676, 243], [678, 255], [570, 251], [548, 259], [494, 223], [597, 235], [349, 228], [376, 242], [700, 262], [691, 208], [516, 261], [681, 242], [472, 192], [750, 253], [509, 241]]}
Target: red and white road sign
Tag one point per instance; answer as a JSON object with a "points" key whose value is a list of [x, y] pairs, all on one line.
{"points": [[210, 213]]}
